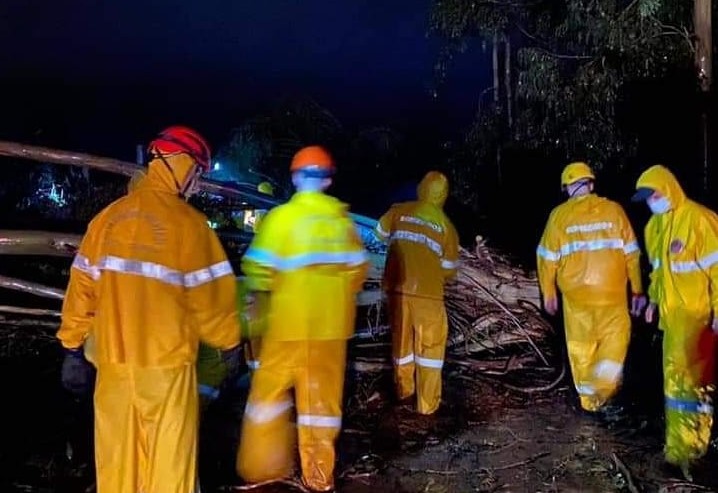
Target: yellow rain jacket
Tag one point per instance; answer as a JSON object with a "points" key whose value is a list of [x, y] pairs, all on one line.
{"points": [[589, 249], [423, 255], [309, 256], [149, 281], [682, 246], [308, 250], [424, 245]]}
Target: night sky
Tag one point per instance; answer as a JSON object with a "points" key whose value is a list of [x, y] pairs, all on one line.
{"points": [[102, 76]]}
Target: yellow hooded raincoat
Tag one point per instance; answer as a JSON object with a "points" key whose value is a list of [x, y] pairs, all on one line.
{"points": [[150, 280], [682, 246], [589, 250], [309, 256], [423, 255]]}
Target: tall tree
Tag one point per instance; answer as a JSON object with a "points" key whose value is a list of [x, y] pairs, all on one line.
{"points": [[573, 60]]}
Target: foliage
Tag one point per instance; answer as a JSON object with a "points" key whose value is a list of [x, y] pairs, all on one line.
{"points": [[261, 147], [574, 60]]}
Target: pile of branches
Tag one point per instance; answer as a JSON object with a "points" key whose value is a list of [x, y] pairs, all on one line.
{"points": [[493, 304]]}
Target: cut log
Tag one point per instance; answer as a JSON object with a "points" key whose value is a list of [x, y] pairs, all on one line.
{"points": [[14, 242], [31, 288]]}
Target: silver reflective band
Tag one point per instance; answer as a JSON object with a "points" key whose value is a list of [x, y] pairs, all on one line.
{"points": [[418, 238], [421, 222], [381, 232], [548, 254], [608, 370], [409, 358], [152, 270], [265, 257], [587, 228], [319, 421], [253, 364], [429, 362], [630, 247], [585, 389], [448, 264], [264, 413]]}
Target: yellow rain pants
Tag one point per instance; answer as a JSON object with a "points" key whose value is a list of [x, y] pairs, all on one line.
{"points": [[148, 443], [597, 340], [315, 371], [419, 332], [688, 368]]}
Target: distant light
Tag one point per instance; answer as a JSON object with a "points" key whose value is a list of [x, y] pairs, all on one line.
{"points": [[216, 166]]}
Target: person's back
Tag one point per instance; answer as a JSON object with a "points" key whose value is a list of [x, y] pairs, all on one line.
{"points": [[590, 237], [308, 257], [423, 243], [149, 281], [150, 235], [588, 252], [423, 255], [319, 258]]}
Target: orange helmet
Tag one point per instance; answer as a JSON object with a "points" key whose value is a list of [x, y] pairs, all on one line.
{"points": [[183, 139], [313, 160]]}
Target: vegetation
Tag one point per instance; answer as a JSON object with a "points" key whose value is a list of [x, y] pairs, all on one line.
{"points": [[563, 72]]}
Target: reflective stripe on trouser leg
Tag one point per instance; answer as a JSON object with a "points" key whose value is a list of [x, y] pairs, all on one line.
{"points": [[612, 325], [431, 330], [251, 353], [688, 365], [318, 391], [143, 416], [266, 444], [581, 346], [402, 345]]}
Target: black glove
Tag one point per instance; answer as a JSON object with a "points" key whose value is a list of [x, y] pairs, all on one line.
{"points": [[77, 373], [233, 359]]}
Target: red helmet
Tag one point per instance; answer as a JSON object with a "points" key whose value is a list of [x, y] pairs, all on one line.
{"points": [[183, 139], [314, 160]]}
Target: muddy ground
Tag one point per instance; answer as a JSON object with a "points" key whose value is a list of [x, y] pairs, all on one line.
{"points": [[486, 437]]}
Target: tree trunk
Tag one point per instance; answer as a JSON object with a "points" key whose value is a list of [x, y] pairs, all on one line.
{"points": [[702, 20], [38, 243], [507, 85], [109, 165], [497, 101]]}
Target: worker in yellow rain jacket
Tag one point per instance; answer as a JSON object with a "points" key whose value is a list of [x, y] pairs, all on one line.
{"points": [[309, 256], [423, 255], [589, 253], [252, 307], [149, 281], [682, 245]]}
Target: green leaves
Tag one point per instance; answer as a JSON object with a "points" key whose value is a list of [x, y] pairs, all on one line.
{"points": [[573, 63]]}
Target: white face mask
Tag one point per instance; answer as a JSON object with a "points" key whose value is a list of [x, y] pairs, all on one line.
{"points": [[578, 188], [659, 206]]}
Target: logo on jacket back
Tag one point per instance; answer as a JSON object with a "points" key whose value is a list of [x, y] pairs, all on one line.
{"points": [[676, 246]]}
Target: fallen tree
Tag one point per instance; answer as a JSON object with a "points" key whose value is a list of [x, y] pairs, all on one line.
{"points": [[492, 305]]}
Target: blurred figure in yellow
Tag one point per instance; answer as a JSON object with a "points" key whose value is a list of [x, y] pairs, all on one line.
{"points": [[682, 245], [589, 253], [309, 256], [149, 281], [423, 255]]}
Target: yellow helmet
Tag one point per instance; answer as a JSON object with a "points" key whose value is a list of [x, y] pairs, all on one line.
{"points": [[266, 188], [576, 171]]}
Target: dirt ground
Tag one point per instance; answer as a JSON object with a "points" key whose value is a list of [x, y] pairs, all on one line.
{"points": [[486, 437]]}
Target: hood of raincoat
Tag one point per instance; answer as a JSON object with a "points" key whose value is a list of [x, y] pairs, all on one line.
{"points": [[160, 178], [433, 189], [660, 178]]}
